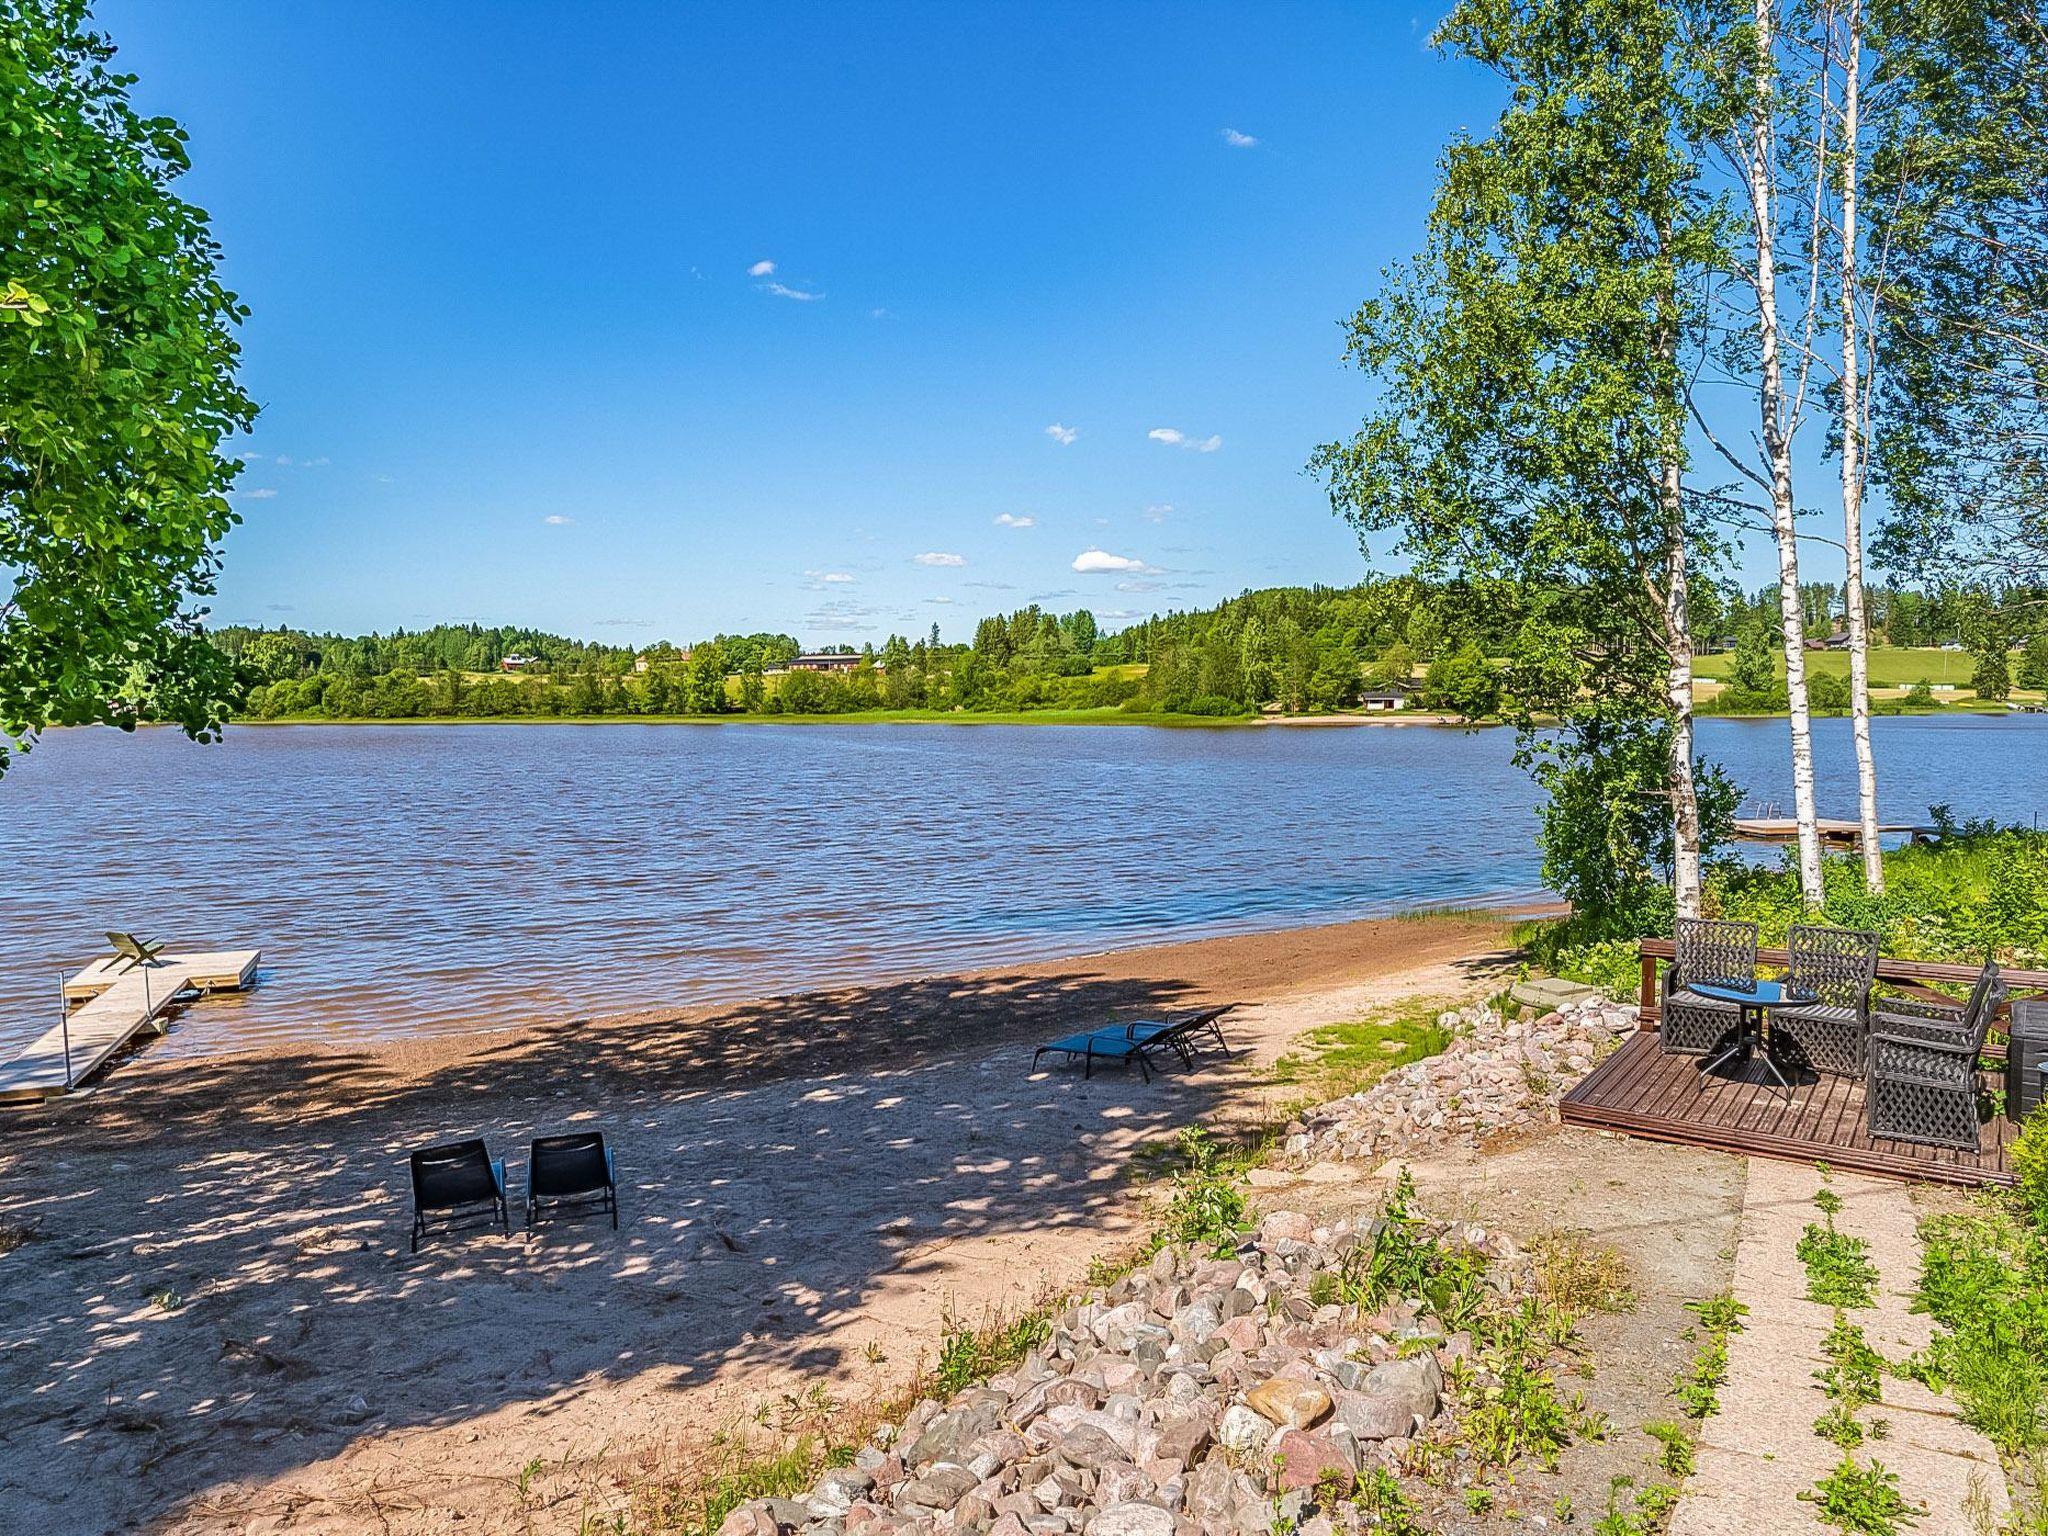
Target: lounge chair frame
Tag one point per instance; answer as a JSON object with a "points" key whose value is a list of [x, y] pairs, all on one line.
{"points": [[1837, 967], [457, 1186], [574, 1184], [1139, 1041]]}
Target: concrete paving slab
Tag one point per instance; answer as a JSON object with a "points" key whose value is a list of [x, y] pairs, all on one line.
{"points": [[1758, 1452]]}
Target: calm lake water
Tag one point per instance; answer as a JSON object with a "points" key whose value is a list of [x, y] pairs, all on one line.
{"points": [[418, 879]]}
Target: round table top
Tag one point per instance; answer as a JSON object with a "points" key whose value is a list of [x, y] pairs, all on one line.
{"points": [[1758, 994]]}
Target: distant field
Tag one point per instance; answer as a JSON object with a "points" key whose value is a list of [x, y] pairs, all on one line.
{"points": [[1890, 666]]}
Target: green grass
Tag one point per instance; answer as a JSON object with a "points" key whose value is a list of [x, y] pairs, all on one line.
{"points": [[1341, 1059], [1890, 666]]}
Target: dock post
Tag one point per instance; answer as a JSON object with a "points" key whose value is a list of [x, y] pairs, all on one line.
{"points": [[64, 1017]]}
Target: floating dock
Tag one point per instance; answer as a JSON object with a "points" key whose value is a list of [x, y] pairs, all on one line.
{"points": [[111, 1003], [1833, 834]]}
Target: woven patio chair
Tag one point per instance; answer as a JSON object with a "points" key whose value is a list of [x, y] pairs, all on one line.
{"points": [[1921, 1083], [1836, 967], [1710, 953]]}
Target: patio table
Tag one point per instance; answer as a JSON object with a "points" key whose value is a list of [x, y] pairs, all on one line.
{"points": [[1753, 1003]]}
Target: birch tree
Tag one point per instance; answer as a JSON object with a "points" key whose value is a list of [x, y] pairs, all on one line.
{"points": [[1851, 394], [1962, 445], [1531, 437], [1779, 417]]}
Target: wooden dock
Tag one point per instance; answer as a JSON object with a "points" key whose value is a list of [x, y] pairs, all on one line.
{"points": [[1833, 833], [110, 1005]]}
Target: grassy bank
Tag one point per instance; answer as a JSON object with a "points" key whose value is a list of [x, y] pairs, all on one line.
{"points": [[1981, 890]]}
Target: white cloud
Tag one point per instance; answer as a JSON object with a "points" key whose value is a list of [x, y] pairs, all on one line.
{"points": [[1141, 586], [256, 493], [284, 459], [1173, 437], [1011, 520], [557, 520], [801, 295], [838, 578], [934, 557], [1238, 140], [938, 600], [1062, 434], [1159, 512], [881, 314], [1097, 560], [761, 269]]}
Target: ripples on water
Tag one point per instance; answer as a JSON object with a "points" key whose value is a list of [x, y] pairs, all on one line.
{"points": [[422, 879]]}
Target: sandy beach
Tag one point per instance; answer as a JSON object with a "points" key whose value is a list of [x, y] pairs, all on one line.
{"points": [[213, 1322]]}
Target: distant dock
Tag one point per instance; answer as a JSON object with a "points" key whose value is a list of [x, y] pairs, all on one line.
{"points": [[1833, 834], [111, 1003]]}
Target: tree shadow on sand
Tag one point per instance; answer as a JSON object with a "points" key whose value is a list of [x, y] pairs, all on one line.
{"points": [[217, 1288]]}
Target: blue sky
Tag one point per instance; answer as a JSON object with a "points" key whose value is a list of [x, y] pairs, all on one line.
{"points": [[642, 321]]}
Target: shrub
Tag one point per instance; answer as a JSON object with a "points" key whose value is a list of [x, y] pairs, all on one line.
{"points": [[2030, 1164]]}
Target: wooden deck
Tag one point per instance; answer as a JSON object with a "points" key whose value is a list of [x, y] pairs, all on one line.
{"points": [[113, 1006], [1643, 1092]]}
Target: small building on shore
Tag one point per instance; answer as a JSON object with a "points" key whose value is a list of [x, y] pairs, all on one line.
{"points": [[824, 661], [1379, 701]]}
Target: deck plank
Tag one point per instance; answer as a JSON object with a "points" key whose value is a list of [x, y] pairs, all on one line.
{"points": [[1640, 1091]]}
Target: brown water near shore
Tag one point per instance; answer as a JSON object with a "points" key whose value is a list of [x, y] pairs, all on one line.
{"points": [[214, 1324]]}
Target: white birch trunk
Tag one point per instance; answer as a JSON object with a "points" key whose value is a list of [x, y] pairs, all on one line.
{"points": [[1685, 805], [1778, 446], [1852, 469]]}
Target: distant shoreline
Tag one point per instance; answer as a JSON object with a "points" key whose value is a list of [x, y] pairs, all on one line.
{"points": [[1111, 717]]}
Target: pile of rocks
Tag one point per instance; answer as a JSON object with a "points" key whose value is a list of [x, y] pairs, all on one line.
{"points": [[1196, 1395], [1497, 1073]]}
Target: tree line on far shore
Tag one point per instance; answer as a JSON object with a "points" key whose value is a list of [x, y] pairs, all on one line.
{"points": [[1294, 650]]}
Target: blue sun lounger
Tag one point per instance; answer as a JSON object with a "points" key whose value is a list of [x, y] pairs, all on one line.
{"points": [[1138, 1042]]}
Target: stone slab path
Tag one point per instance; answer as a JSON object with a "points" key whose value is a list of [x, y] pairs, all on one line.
{"points": [[1759, 1452]]}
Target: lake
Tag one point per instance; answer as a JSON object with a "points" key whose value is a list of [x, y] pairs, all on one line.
{"points": [[424, 879]]}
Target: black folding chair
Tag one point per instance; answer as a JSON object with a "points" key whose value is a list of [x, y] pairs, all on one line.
{"points": [[456, 1186], [571, 1173]]}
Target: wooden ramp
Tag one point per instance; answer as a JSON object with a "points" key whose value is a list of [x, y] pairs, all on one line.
{"points": [[110, 1006]]}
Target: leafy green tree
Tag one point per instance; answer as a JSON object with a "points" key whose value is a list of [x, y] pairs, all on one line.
{"points": [[1530, 437], [2033, 672], [1962, 440], [1395, 668], [1988, 633], [117, 396], [1756, 663], [1463, 682]]}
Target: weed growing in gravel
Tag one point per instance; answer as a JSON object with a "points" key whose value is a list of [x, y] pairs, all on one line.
{"points": [[1633, 1513], [1676, 1441], [1579, 1276], [1207, 1208], [970, 1355], [1698, 1387], [1852, 1379], [1405, 1259]]}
